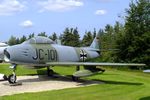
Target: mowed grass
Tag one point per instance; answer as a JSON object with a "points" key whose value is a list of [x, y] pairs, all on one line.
{"points": [[24, 70], [118, 85]]}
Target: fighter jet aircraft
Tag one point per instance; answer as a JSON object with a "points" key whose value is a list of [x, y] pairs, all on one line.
{"points": [[2, 47], [41, 52]]}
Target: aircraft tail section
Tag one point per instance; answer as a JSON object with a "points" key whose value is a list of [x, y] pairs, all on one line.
{"points": [[95, 43]]}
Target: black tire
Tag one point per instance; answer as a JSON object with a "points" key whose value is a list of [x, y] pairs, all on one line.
{"points": [[103, 70], [12, 79], [5, 77], [74, 78], [50, 72]]}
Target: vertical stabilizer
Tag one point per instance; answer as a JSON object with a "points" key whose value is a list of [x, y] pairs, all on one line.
{"points": [[95, 43]]}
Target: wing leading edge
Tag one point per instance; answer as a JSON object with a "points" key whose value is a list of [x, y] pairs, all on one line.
{"points": [[81, 64], [92, 64]]}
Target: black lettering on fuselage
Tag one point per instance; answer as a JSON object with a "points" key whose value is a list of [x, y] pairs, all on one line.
{"points": [[53, 55], [40, 54]]}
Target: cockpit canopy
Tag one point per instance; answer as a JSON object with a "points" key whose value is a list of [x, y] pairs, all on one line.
{"points": [[39, 40]]}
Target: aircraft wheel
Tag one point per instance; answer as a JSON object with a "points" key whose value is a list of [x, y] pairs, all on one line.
{"points": [[12, 79], [103, 70], [50, 72], [74, 78], [5, 77]]}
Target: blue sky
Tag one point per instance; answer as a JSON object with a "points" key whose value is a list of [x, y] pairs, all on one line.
{"points": [[22, 17]]}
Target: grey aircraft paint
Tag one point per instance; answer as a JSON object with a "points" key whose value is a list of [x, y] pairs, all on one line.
{"points": [[43, 52]]}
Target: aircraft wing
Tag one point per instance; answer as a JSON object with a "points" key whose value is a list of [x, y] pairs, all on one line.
{"points": [[81, 64], [92, 64]]}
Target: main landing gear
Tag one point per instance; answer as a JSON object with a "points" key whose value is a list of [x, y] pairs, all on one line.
{"points": [[50, 72], [12, 78], [75, 78]]}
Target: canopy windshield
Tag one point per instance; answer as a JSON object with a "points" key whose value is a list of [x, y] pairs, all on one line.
{"points": [[39, 40]]}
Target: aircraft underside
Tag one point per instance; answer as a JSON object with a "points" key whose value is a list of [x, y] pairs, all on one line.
{"points": [[88, 71]]}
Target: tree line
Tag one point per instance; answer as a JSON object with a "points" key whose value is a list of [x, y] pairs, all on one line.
{"points": [[128, 42], [70, 37]]}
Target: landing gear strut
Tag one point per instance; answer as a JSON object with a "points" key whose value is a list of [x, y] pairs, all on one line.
{"points": [[12, 78], [74, 78], [50, 72], [77, 68]]}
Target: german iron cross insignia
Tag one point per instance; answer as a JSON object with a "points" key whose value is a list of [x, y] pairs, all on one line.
{"points": [[83, 55]]}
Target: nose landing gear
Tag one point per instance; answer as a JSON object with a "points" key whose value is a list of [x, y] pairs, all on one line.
{"points": [[12, 78]]}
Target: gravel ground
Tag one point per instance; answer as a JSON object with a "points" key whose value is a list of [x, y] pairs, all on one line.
{"points": [[41, 83]]}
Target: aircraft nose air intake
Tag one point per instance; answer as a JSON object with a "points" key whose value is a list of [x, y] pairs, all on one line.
{"points": [[6, 55]]}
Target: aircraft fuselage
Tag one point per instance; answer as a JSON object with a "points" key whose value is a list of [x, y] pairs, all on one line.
{"points": [[41, 54]]}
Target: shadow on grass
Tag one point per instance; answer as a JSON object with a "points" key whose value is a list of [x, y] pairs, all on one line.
{"points": [[57, 77], [43, 77], [145, 98], [117, 82], [39, 72]]}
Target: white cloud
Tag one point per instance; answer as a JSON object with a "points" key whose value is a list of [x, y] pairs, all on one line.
{"points": [[9, 7], [59, 5], [27, 24], [100, 12]]}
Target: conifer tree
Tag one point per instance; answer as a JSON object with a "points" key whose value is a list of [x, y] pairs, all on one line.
{"points": [[134, 45], [12, 41], [87, 39]]}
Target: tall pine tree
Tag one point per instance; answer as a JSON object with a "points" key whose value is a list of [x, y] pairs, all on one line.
{"points": [[42, 34], [12, 41], [134, 45], [53, 37], [87, 39], [76, 38]]}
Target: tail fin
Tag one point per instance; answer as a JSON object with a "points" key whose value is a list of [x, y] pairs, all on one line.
{"points": [[95, 43]]}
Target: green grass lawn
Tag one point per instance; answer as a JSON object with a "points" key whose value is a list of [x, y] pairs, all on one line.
{"points": [[119, 85]]}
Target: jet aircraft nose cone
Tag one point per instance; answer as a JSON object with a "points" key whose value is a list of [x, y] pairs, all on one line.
{"points": [[6, 55]]}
